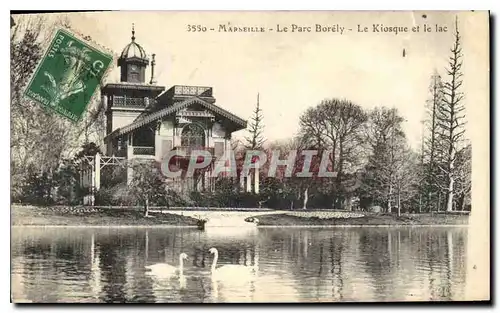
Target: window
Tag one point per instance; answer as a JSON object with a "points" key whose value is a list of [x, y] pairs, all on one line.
{"points": [[193, 135], [134, 77]]}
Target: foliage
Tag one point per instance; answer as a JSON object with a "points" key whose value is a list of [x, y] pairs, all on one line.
{"points": [[88, 149], [37, 189], [59, 186], [105, 197], [389, 176], [66, 182], [40, 139], [463, 183], [148, 184], [336, 125]]}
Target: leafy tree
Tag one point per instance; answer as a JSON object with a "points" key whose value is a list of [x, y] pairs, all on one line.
{"points": [[88, 149], [406, 178], [40, 139], [224, 192], [292, 190], [37, 188], [389, 174], [148, 184], [65, 181], [336, 125]]}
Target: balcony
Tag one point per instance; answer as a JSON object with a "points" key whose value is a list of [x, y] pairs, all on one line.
{"points": [[192, 91], [143, 150], [129, 102]]}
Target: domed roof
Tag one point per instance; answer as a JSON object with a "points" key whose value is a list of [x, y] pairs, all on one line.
{"points": [[133, 49]]}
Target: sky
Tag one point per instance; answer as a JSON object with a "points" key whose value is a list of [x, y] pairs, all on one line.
{"points": [[294, 71]]}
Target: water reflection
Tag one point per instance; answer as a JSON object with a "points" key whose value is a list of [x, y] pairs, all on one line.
{"points": [[354, 264]]}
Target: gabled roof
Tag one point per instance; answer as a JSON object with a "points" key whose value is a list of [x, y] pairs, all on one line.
{"points": [[146, 119]]}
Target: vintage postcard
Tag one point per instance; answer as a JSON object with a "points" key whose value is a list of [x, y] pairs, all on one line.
{"points": [[267, 156]]}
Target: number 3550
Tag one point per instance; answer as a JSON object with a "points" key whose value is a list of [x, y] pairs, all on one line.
{"points": [[196, 28]]}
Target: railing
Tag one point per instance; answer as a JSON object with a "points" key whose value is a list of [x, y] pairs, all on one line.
{"points": [[186, 151], [144, 150], [125, 101], [193, 91]]}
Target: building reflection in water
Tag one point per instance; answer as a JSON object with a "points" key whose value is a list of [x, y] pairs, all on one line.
{"points": [[355, 264]]}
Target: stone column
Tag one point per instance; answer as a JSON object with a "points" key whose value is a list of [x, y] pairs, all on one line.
{"points": [[206, 177], [158, 147], [242, 181], [256, 179], [249, 181], [97, 166], [104, 99], [130, 152], [92, 186], [130, 155], [209, 143]]}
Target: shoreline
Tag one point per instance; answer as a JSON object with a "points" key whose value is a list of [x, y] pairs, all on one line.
{"points": [[92, 217], [367, 220], [103, 226], [232, 227], [80, 216], [364, 226]]}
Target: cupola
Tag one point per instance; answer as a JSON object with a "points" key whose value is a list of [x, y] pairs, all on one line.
{"points": [[133, 62]]}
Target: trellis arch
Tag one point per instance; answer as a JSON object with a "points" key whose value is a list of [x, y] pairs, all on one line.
{"points": [[90, 173]]}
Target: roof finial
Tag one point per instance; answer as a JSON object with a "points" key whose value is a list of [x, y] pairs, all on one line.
{"points": [[153, 62], [133, 32]]}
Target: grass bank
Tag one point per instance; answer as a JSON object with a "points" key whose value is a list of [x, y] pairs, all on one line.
{"points": [[88, 216], [368, 219]]}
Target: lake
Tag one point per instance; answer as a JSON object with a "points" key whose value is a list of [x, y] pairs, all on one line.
{"points": [[291, 264]]}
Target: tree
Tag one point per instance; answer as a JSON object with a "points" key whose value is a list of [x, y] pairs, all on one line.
{"points": [[451, 120], [429, 151], [148, 184], [289, 189], [389, 175], [463, 185], [406, 177], [255, 140], [88, 149], [65, 181], [40, 139], [336, 125]]}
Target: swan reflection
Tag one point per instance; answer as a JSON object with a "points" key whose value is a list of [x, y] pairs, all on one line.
{"points": [[248, 265]]}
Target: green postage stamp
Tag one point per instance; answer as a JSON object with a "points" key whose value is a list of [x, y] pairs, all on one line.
{"points": [[68, 75]]}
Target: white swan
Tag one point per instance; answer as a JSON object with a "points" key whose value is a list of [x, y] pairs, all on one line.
{"points": [[166, 270], [231, 271]]}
